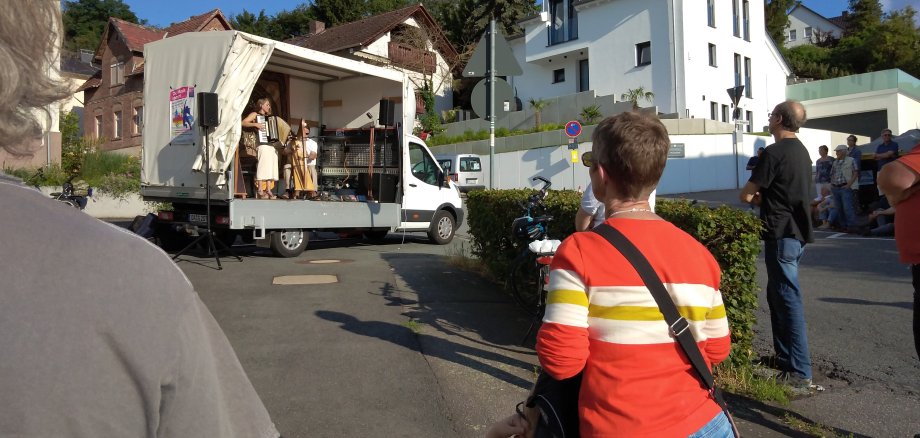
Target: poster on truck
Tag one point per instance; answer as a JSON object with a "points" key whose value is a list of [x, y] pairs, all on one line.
{"points": [[182, 110]]}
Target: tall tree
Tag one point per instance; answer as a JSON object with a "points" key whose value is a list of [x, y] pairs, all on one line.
{"points": [[281, 26], [85, 20], [251, 23], [777, 20], [464, 21]]}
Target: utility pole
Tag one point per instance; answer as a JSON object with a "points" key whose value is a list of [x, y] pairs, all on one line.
{"points": [[490, 105]]}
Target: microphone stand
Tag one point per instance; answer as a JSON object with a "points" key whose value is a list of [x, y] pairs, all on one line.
{"points": [[207, 234]]}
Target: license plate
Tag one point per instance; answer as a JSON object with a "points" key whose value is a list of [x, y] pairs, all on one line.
{"points": [[198, 218], [472, 180]]}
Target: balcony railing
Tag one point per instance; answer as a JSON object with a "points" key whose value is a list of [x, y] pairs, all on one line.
{"points": [[408, 57]]}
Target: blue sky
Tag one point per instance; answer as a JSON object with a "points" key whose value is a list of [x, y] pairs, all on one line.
{"points": [[164, 12]]}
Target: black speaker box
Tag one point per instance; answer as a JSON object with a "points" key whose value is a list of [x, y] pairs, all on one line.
{"points": [[208, 114], [387, 113]]}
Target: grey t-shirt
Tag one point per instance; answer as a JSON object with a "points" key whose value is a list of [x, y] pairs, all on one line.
{"points": [[101, 335]]}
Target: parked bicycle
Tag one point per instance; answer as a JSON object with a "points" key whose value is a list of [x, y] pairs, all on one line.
{"points": [[529, 275], [75, 197]]}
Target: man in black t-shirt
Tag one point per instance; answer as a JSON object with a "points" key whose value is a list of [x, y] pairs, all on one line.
{"points": [[780, 184]]}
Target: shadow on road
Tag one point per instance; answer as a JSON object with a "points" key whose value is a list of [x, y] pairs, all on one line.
{"points": [[771, 417], [901, 305], [472, 358]]}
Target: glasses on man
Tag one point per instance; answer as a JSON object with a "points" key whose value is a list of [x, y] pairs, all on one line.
{"points": [[587, 159]]}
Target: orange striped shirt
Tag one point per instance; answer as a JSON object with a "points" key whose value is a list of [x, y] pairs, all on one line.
{"points": [[601, 319]]}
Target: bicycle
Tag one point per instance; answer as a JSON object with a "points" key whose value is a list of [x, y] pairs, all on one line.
{"points": [[529, 274]]}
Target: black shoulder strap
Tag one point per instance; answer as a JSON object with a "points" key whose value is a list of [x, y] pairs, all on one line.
{"points": [[679, 326]]}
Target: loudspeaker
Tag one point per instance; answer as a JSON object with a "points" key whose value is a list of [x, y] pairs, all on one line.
{"points": [[208, 114], [387, 113]]}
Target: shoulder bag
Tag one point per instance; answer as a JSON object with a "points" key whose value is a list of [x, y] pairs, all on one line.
{"points": [[677, 324]]}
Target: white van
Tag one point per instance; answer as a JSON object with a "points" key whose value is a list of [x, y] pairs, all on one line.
{"points": [[463, 169]]}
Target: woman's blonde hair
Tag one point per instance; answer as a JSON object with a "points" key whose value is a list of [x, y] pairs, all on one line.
{"points": [[28, 35]]}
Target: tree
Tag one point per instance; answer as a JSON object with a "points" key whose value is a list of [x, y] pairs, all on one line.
{"points": [[248, 22], [635, 94], [85, 20], [538, 106], [777, 20], [464, 21], [281, 26], [335, 12]]}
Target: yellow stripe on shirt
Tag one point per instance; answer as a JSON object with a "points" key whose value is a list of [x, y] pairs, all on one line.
{"points": [[643, 313], [576, 297]]}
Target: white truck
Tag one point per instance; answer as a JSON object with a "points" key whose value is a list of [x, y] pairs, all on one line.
{"points": [[390, 183]]}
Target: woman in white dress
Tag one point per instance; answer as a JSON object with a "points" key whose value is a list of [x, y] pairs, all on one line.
{"points": [[267, 169]]}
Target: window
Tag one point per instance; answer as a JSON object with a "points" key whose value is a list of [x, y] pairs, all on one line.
{"points": [[713, 111], [558, 75], [712, 55], [117, 74], [725, 113], [791, 34], [446, 165], [750, 119], [99, 126], [563, 21], [644, 53], [137, 119], [737, 69], [746, 17], [584, 83], [423, 166], [711, 12], [117, 126], [807, 33], [736, 25], [470, 164], [747, 77]]}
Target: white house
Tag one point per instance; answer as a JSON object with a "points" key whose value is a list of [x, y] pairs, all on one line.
{"points": [[807, 26], [688, 53]]}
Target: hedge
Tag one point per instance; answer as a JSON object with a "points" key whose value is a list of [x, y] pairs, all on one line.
{"points": [[731, 235]]}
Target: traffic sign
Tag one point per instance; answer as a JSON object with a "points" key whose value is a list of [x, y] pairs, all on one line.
{"points": [[504, 99], [505, 62], [573, 129]]}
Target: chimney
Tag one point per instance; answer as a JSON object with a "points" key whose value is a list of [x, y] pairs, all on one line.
{"points": [[316, 27]]}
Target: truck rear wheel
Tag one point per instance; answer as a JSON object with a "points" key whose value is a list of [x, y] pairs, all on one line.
{"points": [[289, 243], [441, 230]]}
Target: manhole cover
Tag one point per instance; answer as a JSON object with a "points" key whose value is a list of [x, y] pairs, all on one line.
{"points": [[288, 280]]}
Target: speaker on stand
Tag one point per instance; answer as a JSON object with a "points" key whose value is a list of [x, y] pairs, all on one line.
{"points": [[208, 117], [387, 113]]}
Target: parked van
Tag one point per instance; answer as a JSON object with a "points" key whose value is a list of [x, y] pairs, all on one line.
{"points": [[463, 169]]}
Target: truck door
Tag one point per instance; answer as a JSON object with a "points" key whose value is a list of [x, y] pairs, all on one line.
{"points": [[423, 191]]}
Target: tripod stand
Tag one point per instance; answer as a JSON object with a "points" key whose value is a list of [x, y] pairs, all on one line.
{"points": [[207, 234]]}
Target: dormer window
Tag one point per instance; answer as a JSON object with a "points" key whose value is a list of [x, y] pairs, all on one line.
{"points": [[117, 74]]}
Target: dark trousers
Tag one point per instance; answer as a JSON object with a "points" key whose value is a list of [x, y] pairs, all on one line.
{"points": [[915, 269]]}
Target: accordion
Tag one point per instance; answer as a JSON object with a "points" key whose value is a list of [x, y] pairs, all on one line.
{"points": [[268, 135]]}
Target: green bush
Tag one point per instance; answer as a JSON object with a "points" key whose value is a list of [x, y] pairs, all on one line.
{"points": [[731, 235]]}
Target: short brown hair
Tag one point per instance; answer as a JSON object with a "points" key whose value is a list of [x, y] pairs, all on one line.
{"points": [[632, 148]]}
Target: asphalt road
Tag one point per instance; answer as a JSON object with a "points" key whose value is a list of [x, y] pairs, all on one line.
{"points": [[405, 344]]}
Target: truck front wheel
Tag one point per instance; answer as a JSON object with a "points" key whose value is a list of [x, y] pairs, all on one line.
{"points": [[441, 230], [289, 242]]}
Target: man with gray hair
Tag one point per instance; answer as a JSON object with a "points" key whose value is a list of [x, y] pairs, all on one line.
{"points": [[118, 343], [781, 185]]}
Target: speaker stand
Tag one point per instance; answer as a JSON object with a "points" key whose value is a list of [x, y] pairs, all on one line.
{"points": [[208, 235]]}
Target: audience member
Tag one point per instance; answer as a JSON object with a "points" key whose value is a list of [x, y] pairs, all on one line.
{"points": [[854, 153], [822, 168], [843, 178], [780, 184], [900, 182], [884, 222], [823, 210], [887, 151], [118, 343], [618, 338], [752, 162]]}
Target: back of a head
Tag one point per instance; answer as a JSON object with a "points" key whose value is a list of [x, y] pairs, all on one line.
{"points": [[632, 147], [793, 115], [29, 33]]}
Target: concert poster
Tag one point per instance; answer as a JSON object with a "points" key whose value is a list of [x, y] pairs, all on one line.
{"points": [[182, 115]]}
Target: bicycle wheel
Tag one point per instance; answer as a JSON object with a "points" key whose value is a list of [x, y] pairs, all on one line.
{"points": [[524, 283]]}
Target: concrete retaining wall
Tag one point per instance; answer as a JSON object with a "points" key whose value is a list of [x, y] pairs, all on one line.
{"points": [[106, 206]]}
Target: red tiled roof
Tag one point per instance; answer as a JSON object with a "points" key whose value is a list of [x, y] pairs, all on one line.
{"points": [[363, 32], [135, 35], [93, 82], [196, 23]]}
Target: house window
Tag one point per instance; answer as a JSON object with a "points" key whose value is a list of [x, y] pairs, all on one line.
{"points": [[563, 21], [583, 78], [117, 74], [711, 12], [138, 119], [807, 33], [747, 77], [713, 111], [791, 34], [99, 126], [117, 128], [737, 69], [746, 17], [644, 53], [712, 55], [750, 120], [558, 75], [725, 113], [736, 25]]}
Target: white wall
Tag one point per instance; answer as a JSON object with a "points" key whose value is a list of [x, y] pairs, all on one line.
{"points": [[305, 100], [802, 18], [358, 96]]}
